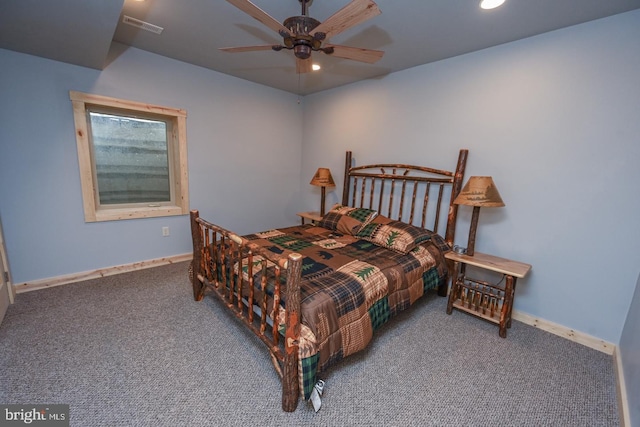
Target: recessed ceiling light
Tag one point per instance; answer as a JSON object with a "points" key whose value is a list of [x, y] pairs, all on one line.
{"points": [[490, 4], [315, 67]]}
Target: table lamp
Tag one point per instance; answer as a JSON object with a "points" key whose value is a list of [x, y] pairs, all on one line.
{"points": [[479, 191], [322, 179]]}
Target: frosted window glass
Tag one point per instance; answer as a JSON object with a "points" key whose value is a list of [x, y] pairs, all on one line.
{"points": [[131, 159]]}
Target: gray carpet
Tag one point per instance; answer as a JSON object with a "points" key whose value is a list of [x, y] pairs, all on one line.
{"points": [[136, 350]]}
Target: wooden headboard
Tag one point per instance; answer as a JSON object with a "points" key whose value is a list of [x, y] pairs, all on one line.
{"points": [[416, 195]]}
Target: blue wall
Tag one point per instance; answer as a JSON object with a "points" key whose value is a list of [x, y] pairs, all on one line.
{"points": [[233, 145], [555, 120]]}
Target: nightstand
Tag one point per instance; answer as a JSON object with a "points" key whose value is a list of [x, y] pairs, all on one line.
{"points": [[492, 302], [311, 216]]}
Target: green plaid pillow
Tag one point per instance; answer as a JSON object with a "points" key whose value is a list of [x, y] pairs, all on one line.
{"points": [[396, 235], [347, 220]]}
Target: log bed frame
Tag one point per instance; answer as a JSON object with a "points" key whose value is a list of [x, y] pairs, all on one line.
{"points": [[214, 246]]}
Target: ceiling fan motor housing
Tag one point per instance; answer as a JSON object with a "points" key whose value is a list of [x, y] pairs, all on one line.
{"points": [[301, 42]]}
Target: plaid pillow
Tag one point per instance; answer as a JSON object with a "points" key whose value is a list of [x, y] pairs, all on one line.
{"points": [[398, 236], [347, 220]]}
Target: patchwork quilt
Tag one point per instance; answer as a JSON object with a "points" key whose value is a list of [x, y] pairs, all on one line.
{"points": [[350, 287]]}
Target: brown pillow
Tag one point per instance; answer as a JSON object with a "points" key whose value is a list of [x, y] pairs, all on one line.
{"points": [[347, 220], [397, 235]]}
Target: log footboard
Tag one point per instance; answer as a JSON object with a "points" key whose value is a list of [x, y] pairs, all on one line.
{"points": [[226, 264]]}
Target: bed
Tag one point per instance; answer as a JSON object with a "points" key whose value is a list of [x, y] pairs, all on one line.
{"points": [[315, 293]]}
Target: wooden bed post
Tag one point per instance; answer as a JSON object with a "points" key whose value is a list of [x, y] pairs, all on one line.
{"points": [[345, 188], [196, 262], [453, 214], [455, 190], [290, 384]]}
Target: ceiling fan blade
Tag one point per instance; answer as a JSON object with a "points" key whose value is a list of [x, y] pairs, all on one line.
{"points": [[254, 11], [247, 48], [356, 53], [303, 65], [352, 14]]}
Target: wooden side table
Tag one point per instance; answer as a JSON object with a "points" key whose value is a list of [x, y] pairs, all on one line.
{"points": [[313, 216], [482, 299]]}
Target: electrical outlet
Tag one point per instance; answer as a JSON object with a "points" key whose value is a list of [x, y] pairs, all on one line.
{"points": [[165, 231]]}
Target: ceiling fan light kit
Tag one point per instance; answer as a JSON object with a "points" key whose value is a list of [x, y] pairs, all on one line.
{"points": [[491, 4], [304, 34]]}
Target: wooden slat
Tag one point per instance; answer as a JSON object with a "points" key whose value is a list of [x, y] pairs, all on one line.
{"points": [[404, 186], [369, 56], [239, 276], [354, 13], [424, 169], [214, 254], [223, 270], [251, 285], [263, 286], [438, 206], [240, 49], [353, 198], [373, 188], [425, 203], [393, 181], [304, 65], [259, 15], [345, 183], [209, 267], [381, 194], [413, 201], [276, 306]]}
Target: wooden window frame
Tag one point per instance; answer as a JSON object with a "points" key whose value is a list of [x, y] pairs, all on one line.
{"points": [[179, 181]]}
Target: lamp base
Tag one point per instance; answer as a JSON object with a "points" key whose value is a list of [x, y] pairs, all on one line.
{"points": [[322, 196], [472, 230]]}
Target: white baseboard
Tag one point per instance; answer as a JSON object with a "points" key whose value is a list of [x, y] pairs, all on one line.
{"points": [[564, 332], [623, 399], [102, 272]]}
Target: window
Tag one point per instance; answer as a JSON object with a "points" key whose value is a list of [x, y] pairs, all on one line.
{"points": [[133, 158]]}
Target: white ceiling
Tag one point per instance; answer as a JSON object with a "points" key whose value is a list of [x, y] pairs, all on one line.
{"points": [[411, 32]]}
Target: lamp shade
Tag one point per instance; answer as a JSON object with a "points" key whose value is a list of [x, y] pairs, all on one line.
{"points": [[323, 178], [479, 191]]}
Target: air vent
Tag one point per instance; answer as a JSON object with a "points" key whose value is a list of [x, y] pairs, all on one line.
{"points": [[141, 24]]}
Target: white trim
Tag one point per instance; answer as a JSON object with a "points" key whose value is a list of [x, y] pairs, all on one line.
{"points": [[177, 157], [564, 332], [623, 398], [108, 271], [4, 262]]}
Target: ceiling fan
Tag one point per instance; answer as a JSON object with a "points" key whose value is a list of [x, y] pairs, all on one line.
{"points": [[304, 35]]}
